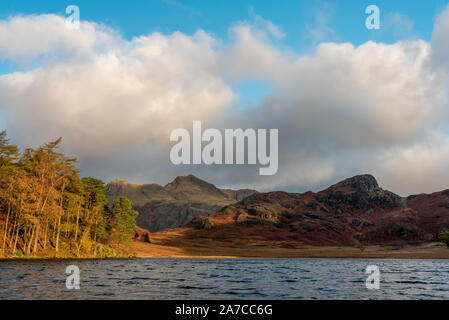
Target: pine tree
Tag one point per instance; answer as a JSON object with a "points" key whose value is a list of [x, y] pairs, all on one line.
{"points": [[46, 207], [124, 220]]}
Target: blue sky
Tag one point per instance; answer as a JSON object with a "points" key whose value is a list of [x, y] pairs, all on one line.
{"points": [[137, 17]]}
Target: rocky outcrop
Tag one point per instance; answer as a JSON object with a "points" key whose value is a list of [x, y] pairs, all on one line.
{"points": [[202, 223], [359, 192], [238, 195]]}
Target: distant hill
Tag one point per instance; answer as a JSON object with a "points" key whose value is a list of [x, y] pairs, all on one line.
{"points": [[354, 212], [178, 202]]}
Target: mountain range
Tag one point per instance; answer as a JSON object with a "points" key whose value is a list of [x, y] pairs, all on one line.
{"points": [[178, 202], [353, 212]]}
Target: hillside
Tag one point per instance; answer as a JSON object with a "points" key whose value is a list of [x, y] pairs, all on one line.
{"points": [[178, 202], [355, 213]]}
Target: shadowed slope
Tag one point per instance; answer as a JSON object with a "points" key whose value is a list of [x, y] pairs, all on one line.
{"points": [[353, 212], [178, 202]]}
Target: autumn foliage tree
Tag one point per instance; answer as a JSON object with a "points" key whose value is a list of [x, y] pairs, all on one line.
{"points": [[46, 206]]}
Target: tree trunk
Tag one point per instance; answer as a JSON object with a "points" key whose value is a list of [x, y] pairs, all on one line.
{"points": [[77, 222], [14, 228], [67, 223], [7, 221], [38, 228], [30, 241], [45, 234], [57, 233], [15, 241], [54, 229]]}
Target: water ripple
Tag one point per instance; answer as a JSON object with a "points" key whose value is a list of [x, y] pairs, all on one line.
{"points": [[225, 279]]}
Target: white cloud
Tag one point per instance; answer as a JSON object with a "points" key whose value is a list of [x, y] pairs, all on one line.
{"points": [[321, 31], [400, 25], [28, 37], [418, 168], [440, 43], [121, 98], [341, 110], [267, 25]]}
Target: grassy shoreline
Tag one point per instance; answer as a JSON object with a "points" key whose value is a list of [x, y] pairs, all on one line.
{"points": [[67, 255], [208, 250], [216, 249]]}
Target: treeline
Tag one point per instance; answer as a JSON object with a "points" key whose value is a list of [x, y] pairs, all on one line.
{"points": [[47, 209]]}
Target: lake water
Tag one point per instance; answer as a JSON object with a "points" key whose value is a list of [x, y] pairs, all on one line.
{"points": [[225, 279]]}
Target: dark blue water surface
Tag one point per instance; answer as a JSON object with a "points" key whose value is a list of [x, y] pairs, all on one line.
{"points": [[225, 279]]}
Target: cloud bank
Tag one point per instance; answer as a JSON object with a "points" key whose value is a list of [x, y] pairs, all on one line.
{"points": [[341, 110]]}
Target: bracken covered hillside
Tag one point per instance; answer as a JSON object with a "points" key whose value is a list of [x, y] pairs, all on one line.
{"points": [[355, 211]]}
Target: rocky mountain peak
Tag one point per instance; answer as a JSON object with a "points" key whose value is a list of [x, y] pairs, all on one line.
{"points": [[363, 183], [360, 191], [119, 182], [189, 179], [189, 183]]}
